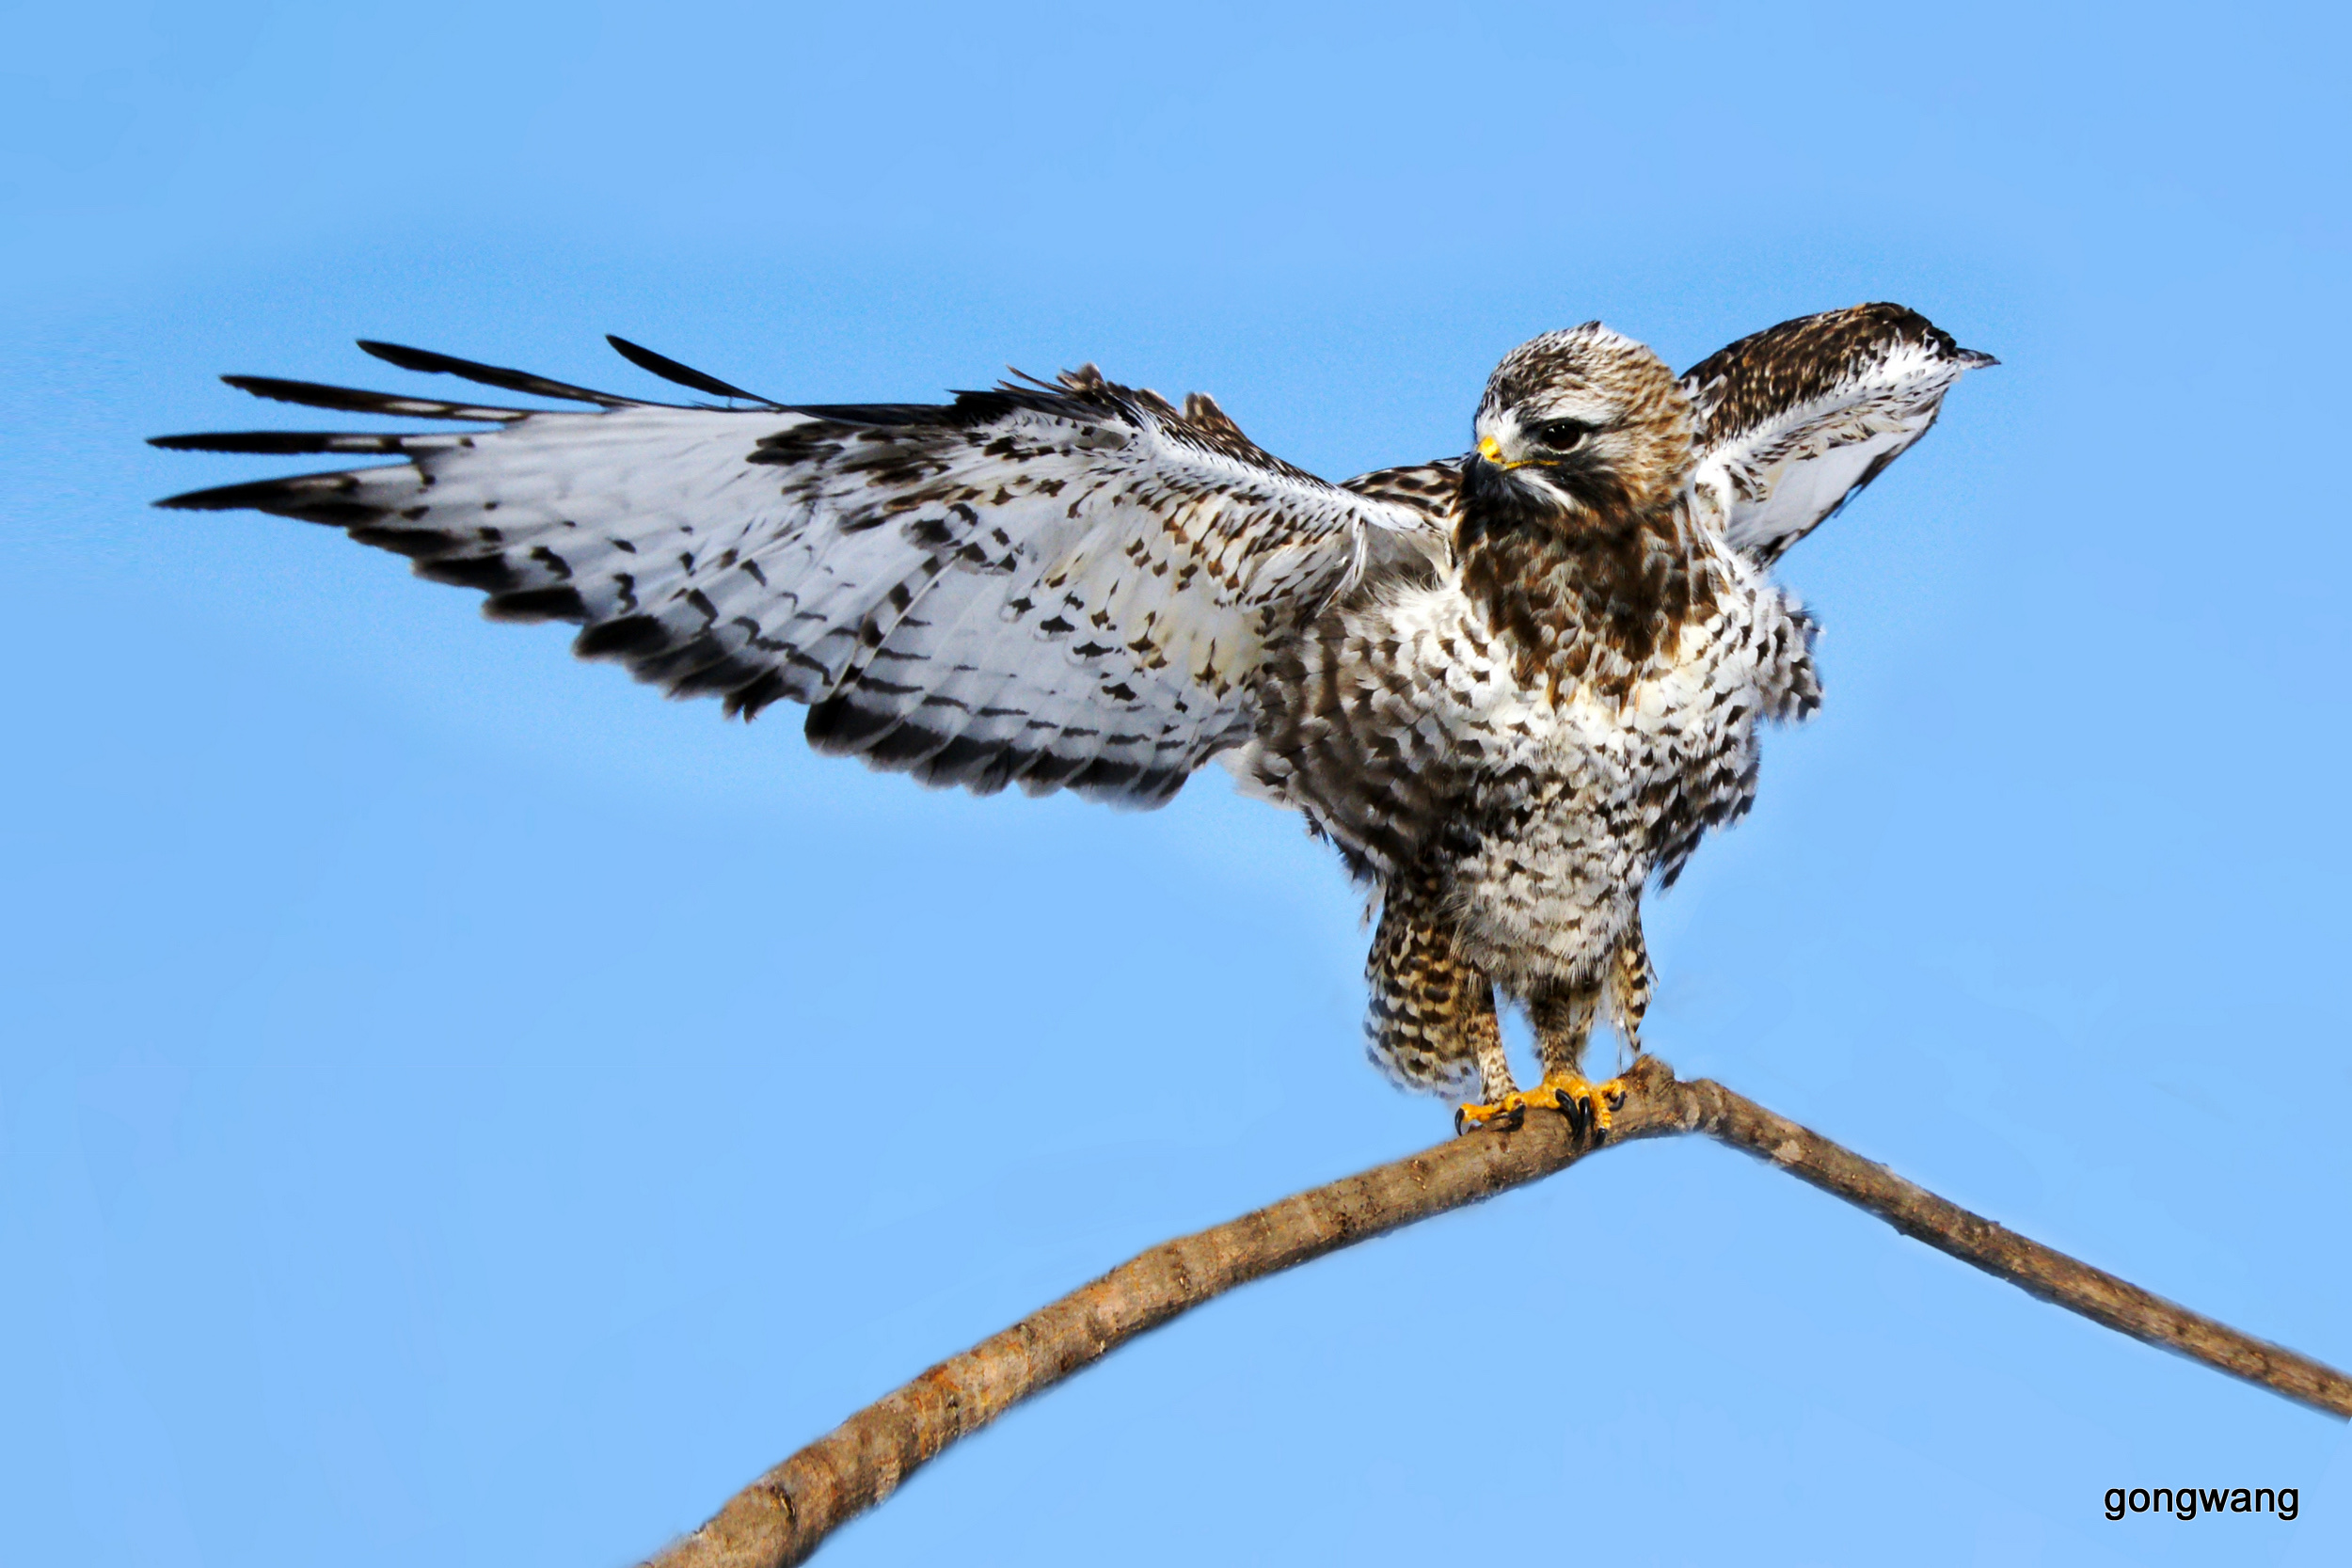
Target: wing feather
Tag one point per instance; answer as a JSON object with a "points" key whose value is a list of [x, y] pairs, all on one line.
{"points": [[1433, 491], [1796, 419], [1066, 585]]}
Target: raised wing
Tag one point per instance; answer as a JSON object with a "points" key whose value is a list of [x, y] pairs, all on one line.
{"points": [[1064, 585], [1798, 418]]}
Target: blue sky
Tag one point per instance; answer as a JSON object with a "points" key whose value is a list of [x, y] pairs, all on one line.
{"points": [[455, 1106]]}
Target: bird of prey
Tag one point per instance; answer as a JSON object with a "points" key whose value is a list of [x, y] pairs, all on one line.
{"points": [[1513, 688]]}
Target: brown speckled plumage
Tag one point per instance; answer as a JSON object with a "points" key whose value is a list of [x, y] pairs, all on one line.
{"points": [[1512, 748], [1513, 689]]}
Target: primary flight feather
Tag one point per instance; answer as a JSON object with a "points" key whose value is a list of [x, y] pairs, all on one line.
{"points": [[1513, 688]]}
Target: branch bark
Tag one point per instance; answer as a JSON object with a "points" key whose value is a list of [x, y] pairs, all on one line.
{"points": [[784, 1515]]}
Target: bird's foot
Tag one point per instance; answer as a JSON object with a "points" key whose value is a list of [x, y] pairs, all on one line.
{"points": [[1588, 1106], [1509, 1111]]}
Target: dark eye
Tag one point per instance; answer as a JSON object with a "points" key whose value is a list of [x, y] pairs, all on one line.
{"points": [[1561, 434]]}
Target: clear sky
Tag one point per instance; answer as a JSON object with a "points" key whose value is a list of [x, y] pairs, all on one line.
{"points": [[457, 1107]]}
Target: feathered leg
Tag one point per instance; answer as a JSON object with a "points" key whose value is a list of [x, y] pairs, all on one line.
{"points": [[1432, 1021], [1563, 1015], [1631, 981]]}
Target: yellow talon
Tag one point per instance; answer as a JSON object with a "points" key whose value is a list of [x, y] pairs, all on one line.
{"points": [[1571, 1094], [1578, 1099], [1509, 1111]]}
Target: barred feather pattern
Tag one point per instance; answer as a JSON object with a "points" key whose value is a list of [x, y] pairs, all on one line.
{"points": [[1063, 586], [1431, 1022]]}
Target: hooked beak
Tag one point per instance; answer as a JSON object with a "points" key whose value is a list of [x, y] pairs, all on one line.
{"points": [[1492, 450]]}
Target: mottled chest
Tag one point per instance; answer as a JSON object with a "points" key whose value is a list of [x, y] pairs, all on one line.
{"points": [[1605, 735], [1565, 797], [1408, 711]]}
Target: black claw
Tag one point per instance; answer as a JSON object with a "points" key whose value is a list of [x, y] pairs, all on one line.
{"points": [[1458, 1119], [1588, 1108]]}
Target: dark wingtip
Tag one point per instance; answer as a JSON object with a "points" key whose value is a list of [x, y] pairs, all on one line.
{"points": [[281, 443], [430, 363], [682, 375], [314, 498], [406, 357], [207, 443], [1976, 359], [222, 498]]}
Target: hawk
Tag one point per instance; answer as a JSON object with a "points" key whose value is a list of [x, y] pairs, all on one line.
{"points": [[1514, 687]]}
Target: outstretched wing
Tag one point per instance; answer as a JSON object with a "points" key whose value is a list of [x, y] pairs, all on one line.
{"points": [[1796, 419], [1064, 585]]}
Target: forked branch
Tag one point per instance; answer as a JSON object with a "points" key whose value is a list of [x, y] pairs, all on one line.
{"points": [[784, 1515]]}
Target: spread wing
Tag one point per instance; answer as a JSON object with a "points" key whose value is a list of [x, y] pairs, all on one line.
{"points": [[1796, 419], [1064, 585]]}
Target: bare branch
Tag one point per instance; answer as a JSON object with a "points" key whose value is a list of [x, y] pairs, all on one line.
{"points": [[784, 1515]]}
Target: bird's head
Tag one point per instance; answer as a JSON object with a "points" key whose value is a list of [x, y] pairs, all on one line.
{"points": [[1585, 422]]}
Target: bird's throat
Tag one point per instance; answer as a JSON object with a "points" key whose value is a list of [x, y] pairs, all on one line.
{"points": [[1587, 601]]}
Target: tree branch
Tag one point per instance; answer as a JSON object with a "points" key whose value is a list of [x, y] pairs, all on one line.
{"points": [[784, 1515]]}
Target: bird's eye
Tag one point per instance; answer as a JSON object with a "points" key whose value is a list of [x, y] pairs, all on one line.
{"points": [[1561, 434]]}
